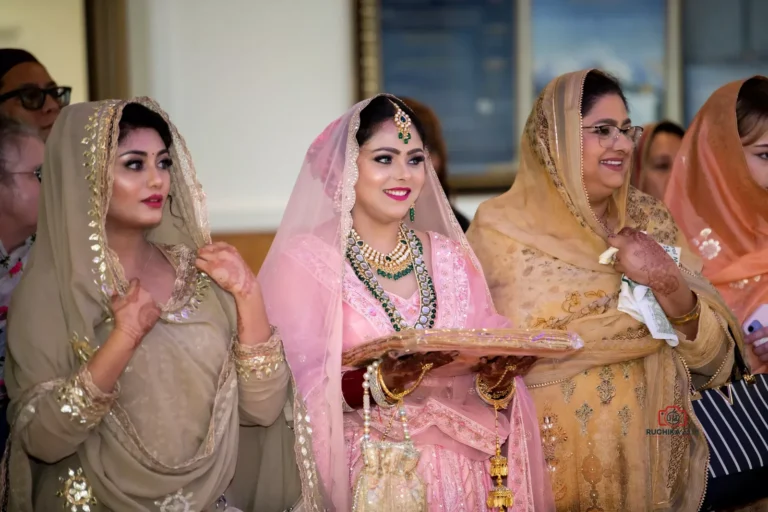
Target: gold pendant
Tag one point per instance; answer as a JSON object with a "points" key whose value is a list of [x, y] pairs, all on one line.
{"points": [[77, 493]]}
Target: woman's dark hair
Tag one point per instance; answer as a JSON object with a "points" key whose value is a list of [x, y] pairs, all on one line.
{"points": [[379, 110], [596, 85], [137, 116], [752, 109], [669, 127]]}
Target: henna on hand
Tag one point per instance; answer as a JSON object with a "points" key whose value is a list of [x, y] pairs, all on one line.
{"points": [[492, 369], [227, 268], [659, 269], [399, 372], [135, 313], [148, 315], [119, 303]]}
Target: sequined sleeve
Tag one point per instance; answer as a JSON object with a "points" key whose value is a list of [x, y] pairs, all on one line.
{"points": [[64, 415], [82, 400], [263, 380]]}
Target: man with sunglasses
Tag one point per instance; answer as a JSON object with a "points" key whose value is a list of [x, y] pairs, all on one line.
{"points": [[28, 93]]}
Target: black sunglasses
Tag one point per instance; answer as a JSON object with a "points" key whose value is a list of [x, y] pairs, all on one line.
{"points": [[33, 98]]}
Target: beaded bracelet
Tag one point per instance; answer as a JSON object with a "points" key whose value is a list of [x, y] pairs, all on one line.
{"points": [[377, 393]]}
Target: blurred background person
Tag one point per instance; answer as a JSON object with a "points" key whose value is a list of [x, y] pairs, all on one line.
{"points": [[655, 155], [437, 151], [21, 156], [718, 194], [27, 91]]}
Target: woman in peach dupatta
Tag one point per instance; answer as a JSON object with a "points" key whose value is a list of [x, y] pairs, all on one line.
{"points": [[718, 194], [539, 246], [360, 178]]}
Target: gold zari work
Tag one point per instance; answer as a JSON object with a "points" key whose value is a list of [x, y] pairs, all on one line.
{"points": [[259, 361], [76, 491], [81, 400]]}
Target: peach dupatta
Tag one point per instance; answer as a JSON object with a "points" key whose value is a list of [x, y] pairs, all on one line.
{"points": [[718, 205]]}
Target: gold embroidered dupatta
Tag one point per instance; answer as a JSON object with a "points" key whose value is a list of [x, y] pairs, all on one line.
{"points": [[180, 384], [541, 240]]}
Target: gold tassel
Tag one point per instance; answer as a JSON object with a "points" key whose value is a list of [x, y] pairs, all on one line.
{"points": [[500, 497], [499, 465]]}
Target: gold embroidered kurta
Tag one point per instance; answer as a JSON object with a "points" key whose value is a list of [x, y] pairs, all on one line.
{"points": [[593, 423], [539, 245]]}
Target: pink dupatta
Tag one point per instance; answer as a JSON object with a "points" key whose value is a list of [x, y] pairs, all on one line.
{"points": [[308, 286]]}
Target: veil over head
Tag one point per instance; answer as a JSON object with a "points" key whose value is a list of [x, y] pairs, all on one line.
{"points": [[719, 206], [547, 213], [61, 314], [319, 219]]}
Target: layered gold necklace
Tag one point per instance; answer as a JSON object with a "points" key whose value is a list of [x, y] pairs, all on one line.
{"points": [[395, 265], [364, 270]]}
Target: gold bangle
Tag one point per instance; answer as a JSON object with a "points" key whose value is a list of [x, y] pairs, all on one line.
{"points": [[496, 400], [689, 317], [397, 397], [378, 394]]}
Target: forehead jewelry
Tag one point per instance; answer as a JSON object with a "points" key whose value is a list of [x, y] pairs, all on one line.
{"points": [[403, 123]]}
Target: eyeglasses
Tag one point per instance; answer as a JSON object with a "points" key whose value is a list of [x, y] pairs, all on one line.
{"points": [[608, 134], [33, 98]]}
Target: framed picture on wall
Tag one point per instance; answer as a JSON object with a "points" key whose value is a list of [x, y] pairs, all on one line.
{"points": [[722, 42], [458, 57], [626, 38]]}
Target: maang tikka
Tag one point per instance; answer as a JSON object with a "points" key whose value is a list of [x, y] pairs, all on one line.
{"points": [[403, 123]]}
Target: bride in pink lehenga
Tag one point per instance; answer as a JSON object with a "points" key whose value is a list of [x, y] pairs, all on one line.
{"points": [[366, 186]]}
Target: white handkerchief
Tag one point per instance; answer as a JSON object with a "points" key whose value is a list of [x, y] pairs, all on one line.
{"points": [[640, 303]]}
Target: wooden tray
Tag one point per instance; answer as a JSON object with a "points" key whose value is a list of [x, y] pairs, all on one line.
{"points": [[471, 345]]}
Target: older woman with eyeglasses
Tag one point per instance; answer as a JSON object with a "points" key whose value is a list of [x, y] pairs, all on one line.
{"points": [[540, 245], [28, 93], [21, 156]]}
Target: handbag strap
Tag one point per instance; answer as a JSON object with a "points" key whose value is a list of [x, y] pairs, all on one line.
{"points": [[740, 369]]}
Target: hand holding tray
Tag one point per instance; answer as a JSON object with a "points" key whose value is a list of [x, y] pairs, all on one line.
{"points": [[470, 344]]}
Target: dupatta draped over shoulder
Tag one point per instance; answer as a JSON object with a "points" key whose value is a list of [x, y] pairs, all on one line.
{"points": [[321, 308], [719, 207], [167, 438], [539, 245]]}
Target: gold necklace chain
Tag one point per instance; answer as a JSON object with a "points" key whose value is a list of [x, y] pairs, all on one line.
{"points": [[396, 264]]}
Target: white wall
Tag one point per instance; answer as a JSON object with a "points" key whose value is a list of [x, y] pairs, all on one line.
{"points": [[54, 31], [249, 86]]}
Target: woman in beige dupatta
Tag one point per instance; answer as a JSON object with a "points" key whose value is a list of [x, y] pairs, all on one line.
{"points": [[539, 246], [117, 407]]}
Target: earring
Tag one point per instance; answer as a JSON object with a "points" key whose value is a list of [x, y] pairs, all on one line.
{"points": [[412, 212]]}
